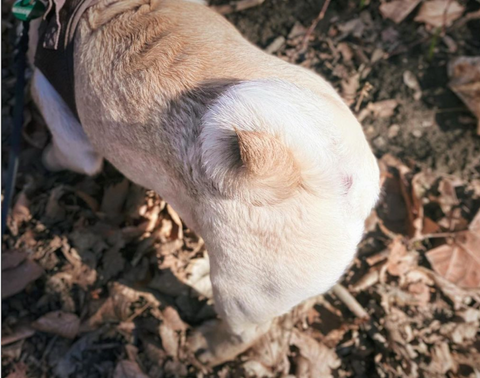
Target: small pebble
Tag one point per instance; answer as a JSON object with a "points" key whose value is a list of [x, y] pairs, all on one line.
{"points": [[393, 131], [417, 133], [380, 143]]}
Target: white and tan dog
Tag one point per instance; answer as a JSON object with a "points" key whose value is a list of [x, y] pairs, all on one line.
{"points": [[260, 157]]}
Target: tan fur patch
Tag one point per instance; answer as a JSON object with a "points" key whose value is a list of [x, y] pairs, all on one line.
{"points": [[269, 163]]}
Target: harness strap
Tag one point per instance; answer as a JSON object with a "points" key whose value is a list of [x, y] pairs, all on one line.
{"points": [[54, 56]]}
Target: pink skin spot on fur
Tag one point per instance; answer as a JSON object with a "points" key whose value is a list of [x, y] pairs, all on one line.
{"points": [[347, 183]]}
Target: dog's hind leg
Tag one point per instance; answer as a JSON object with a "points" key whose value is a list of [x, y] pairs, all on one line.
{"points": [[70, 148]]}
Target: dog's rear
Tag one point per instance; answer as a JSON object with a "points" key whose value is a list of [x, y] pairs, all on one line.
{"points": [[260, 157]]}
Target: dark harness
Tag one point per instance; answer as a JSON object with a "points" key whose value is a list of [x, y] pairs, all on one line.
{"points": [[54, 55]]}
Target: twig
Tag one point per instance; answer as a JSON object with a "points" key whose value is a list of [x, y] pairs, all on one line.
{"points": [[237, 6], [363, 94], [349, 301], [314, 24], [431, 236]]}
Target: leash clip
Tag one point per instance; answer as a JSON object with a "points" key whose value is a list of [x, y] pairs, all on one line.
{"points": [[27, 10]]}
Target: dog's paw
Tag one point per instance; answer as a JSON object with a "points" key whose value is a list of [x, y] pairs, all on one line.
{"points": [[212, 344]]}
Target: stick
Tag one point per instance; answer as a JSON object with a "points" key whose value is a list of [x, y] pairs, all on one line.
{"points": [[314, 24], [349, 301]]}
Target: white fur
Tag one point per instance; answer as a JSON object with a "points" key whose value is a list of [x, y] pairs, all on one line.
{"points": [[70, 147], [310, 238]]}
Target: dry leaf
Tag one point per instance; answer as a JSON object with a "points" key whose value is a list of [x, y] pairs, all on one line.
{"points": [[411, 81], [16, 279], [349, 88], [166, 282], [320, 359], [114, 197], [459, 262], [18, 333], [276, 45], [346, 51], [170, 330], [60, 323], [464, 75], [448, 196], [398, 210], [442, 360], [105, 314], [398, 10], [118, 306], [20, 371], [439, 13], [128, 369], [53, 211], [21, 212], [400, 260], [88, 199], [383, 109]]}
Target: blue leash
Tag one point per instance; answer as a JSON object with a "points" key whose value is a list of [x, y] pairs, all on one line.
{"points": [[16, 136]]}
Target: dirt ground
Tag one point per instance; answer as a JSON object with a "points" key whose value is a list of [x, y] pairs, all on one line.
{"points": [[100, 278]]}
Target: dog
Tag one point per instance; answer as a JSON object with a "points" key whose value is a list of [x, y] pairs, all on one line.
{"points": [[260, 157]]}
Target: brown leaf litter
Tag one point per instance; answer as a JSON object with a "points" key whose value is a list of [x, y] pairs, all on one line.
{"points": [[101, 278], [464, 75]]}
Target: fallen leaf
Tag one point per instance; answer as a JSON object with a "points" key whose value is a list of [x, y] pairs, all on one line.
{"points": [[411, 82], [170, 331], [349, 88], [448, 196], [383, 109], [73, 360], [400, 260], [464, 75], [398, 10], [353, 27], [128, 369], [16, 279], [114, 198], [276, 45], [20, 371], [459, 261], [439, 13], [442, 360], [319, 359], [167, 283], [88, 199], [21, 212], [346, 51], [118, 306], [53, 211], [18, 333], [60, 323]]}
